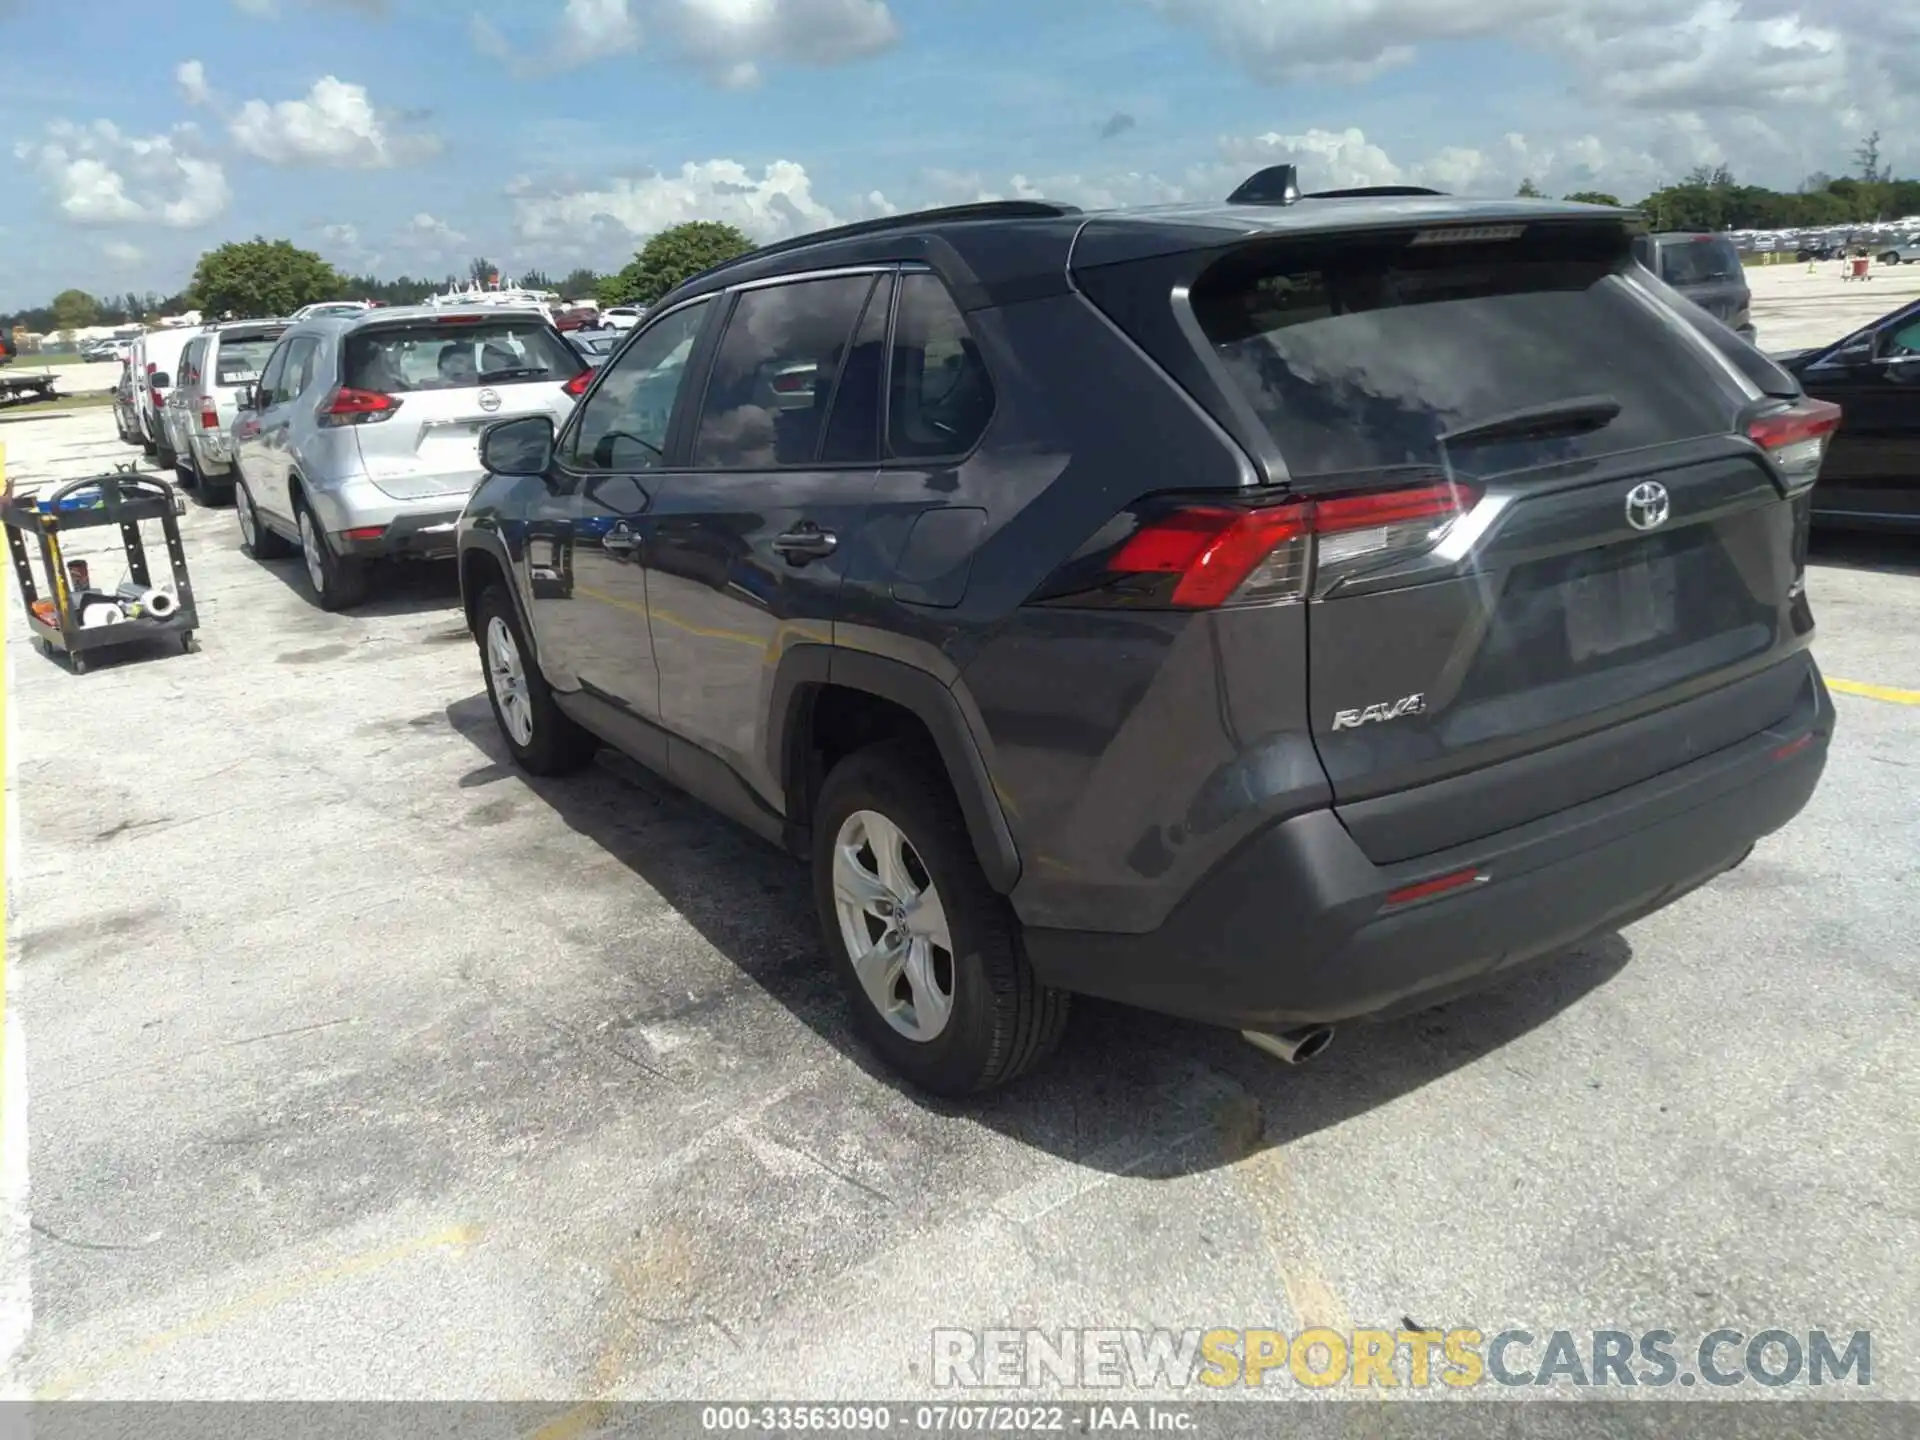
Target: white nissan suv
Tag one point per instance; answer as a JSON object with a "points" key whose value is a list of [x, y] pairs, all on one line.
{"points": [[360, 442]]}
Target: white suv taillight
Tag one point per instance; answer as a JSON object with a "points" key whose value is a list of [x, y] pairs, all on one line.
{"points": [[357, 407], [1200, 557], [1797, 439]]}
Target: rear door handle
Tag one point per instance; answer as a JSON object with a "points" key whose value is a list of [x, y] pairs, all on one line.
{"points": [[805, 542], [620, 540]]}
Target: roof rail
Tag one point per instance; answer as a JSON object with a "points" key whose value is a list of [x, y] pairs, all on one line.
{"points": [[1359, 191], [909, 220], [1275, 185]]}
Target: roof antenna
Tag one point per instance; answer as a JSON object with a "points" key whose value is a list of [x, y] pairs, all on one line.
{"points": [[1275, 185]]}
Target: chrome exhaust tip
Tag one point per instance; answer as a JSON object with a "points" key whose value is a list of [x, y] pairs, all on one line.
{"points": [[1295, 1047]]}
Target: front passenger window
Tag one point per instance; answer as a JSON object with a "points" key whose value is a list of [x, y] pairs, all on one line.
{"points": [[270, 378], [1905, 340], [623, 424]]}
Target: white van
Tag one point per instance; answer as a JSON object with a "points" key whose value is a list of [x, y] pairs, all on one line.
{"points": [[154, 361]]}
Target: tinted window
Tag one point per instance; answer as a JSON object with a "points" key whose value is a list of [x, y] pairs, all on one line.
{"points": [[941, 396], [623, 424], [299, 372], [457, 355], [853, 429], [774, 373], [1707, 260], [1366, 356], [237, 362], [270, 378], [191, 360]]}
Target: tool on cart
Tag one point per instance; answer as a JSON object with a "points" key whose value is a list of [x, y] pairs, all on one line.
{"points": [[76, 617]]}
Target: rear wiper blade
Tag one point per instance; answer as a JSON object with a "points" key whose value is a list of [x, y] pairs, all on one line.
{"points": [[517, 372], [1577, 416]]}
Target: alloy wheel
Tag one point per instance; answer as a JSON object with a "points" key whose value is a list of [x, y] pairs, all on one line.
{"points": [[894, 925], [310, 543], [508, 679]]}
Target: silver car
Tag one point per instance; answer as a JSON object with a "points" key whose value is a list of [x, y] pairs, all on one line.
{"points": [[361, 439], [198, 416]]}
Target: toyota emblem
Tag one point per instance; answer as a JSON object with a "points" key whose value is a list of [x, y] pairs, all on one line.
{"points": [[1648, 505], [490, 402]]}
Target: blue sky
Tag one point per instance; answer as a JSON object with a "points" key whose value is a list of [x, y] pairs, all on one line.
{"points": [[408, 135]]}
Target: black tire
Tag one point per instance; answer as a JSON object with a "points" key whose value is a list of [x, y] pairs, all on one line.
{"points": [[557, 744], [264, 544], [164, 458], [1892, 257], [1003, 1021], [341, 583], [184, 475], [215, 492]]}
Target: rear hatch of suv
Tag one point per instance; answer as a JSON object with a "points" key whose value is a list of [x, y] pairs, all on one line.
{"points": [[238, 355], [1533, 510], [420, 391]]}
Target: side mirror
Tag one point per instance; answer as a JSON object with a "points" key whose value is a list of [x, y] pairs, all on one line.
{"points": [[246, 397], [159, 380], [518, 447]]}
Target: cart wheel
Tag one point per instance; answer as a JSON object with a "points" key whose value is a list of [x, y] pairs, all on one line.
{"points": [[187, 643], [79, 665]]}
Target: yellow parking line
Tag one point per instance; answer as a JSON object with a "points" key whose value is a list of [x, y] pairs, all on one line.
{"points": [[1874, 692], [456, 1237], [570, 1425]]}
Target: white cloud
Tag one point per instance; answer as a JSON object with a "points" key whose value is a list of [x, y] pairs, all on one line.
{"points": [[1771, 86], [346, 236], [777, 203], [191, 76], [99, 176], [594, 29], [336, 125], [727, 40], [430, 233], [123, 254]]}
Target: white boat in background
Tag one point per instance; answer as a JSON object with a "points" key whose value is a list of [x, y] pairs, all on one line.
{"points": [[503, 293]]}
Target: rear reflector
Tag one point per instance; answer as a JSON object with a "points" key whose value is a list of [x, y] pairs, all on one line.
{"points": [[1793, 747], [577, 386], [1213, 555], [1797, 439], [1439, 885], [365, 532], [357, 407]]}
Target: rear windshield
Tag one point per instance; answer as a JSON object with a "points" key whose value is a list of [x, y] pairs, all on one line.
{"points": [[1368, 357], [238, 362], [1699, 262], [451, 355]]}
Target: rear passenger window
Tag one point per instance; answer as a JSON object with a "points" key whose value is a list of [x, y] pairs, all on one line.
{"points": [[853, 430], [299, 372], [774, 374], [941, 397], [1373, 356]]}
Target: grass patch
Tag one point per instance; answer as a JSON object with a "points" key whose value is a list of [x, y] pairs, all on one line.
{"points": [[59, 402], [34, 360]]}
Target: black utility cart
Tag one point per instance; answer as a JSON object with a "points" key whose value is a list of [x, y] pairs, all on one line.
{"points": [[116, 499]]}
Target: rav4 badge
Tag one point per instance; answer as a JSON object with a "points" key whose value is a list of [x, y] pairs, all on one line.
{"points": [[1386, 710]]}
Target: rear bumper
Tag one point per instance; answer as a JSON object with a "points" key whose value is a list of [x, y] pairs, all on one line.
{"points": [[1294, 927], [430, 536]]}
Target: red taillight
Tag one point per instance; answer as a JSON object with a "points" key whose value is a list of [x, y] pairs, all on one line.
{"points": [[577, 386], [365, 532], [1439, 885], [1797, 439], [358, 407], [209, 417], [1224, 554]]}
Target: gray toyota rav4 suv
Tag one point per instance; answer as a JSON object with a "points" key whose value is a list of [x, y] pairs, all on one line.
{"points": [[1278, 613]]}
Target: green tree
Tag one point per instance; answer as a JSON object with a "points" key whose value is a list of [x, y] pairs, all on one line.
{"points": [[671, 257], [1593, 197], [580, 284], [1528, 190], [481, 270], [252, 278], [74, 310]]}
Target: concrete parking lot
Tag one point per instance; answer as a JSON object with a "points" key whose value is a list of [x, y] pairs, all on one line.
{"points": [[358, 1065]]}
